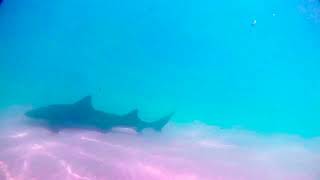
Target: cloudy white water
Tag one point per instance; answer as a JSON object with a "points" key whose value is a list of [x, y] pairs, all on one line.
{"points": [[181, 152]]}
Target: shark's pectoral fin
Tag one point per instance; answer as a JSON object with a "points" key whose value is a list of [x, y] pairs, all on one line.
{"points": [[54, 130], [139, 129]]}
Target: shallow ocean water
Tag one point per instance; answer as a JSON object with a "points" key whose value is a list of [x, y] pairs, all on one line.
{"points": [[241, 76], [202, 59]]}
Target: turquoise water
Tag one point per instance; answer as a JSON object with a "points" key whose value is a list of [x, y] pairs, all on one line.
{"points": [[202, 59]]}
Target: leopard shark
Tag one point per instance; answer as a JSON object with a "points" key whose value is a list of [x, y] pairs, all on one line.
{"points": [[82, 115]]}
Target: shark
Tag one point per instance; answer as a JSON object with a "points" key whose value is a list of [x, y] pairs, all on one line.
{"points": [[82, 115]]}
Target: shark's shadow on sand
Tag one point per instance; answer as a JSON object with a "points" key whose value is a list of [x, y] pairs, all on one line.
{"points": [[82, 115]]}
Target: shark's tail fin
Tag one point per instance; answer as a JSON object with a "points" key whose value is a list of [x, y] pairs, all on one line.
{"points": [[158, 125]]}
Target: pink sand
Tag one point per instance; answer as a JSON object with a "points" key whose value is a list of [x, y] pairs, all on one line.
{"points": [[181, 152]]}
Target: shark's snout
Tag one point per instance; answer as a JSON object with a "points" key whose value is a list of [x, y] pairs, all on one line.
{"points": [[33, 114], [28, 113]]}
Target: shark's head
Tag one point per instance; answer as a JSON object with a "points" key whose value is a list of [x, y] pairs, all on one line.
{"points": [[39, 113], [60, 112]]}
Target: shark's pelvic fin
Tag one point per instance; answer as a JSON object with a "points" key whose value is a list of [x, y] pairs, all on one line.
{"points": [[84, 103]]}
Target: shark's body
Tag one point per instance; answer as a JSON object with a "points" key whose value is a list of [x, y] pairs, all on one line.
{"points": [[81, 115]]}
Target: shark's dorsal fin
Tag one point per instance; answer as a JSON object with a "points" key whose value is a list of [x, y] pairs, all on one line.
{"points": [[132, 114], [84, 103]]}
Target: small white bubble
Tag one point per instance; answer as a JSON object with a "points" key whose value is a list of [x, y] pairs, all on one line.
{"points": [[254, 22]]}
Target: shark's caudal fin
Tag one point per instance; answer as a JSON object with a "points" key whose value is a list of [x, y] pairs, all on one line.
{"points": [[157, 125]]}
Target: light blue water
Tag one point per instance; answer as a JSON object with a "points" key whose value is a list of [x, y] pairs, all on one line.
{"points": [[200, 58]]}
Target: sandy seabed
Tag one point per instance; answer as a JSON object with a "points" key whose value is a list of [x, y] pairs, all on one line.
{"points": [[181, 152]]}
